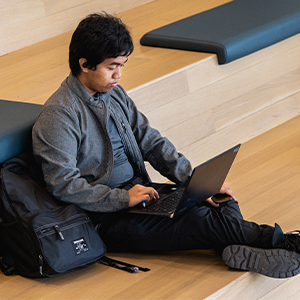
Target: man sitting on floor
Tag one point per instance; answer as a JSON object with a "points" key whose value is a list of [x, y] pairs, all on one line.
{"points": [[90, 139]]}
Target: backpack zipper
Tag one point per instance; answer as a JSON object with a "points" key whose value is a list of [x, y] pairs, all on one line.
{"points": [[58, 228], [41, 264]]}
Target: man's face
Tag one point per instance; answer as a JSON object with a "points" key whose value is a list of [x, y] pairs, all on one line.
{"points": [[105, 77]]}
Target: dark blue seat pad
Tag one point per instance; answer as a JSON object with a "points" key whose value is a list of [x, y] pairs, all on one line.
{"points": [[232, 30], [16, 121]]}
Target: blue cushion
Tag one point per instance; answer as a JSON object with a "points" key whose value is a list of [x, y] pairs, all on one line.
{"points": [[16, 121], [232, 30]]}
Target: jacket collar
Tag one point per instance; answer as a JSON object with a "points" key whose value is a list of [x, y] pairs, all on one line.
{"points": [[83, 94]]}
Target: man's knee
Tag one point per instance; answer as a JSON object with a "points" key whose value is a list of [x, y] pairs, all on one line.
{"points": [[232, 209]]}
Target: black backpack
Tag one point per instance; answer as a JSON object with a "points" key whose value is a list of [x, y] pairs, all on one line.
{"points": [[39, 236]]}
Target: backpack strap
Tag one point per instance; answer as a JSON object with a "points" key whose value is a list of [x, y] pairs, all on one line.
{"points": [[7, 265], [121, 265]]}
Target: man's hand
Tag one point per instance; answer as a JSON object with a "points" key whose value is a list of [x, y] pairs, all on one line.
{"points": [[140, 193], [225, 189]]}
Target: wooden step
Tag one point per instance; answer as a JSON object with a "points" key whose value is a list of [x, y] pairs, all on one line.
{"points": [[204, 108]]}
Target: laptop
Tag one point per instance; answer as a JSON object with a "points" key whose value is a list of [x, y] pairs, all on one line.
{"points": [[206, 180]]}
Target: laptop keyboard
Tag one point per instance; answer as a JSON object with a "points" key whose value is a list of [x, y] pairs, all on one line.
{"points": [[166, 205]]}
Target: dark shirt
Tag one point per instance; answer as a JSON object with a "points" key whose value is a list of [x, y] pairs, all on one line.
{"points": [[122, 170]]}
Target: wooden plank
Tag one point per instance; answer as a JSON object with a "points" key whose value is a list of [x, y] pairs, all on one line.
{"points": [[264, 177], [251, 286], [24, 23]]}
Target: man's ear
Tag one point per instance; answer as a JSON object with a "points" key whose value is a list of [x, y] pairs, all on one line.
{"points": [[83, 65]]}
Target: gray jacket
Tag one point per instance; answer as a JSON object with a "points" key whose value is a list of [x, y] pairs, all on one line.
{"points": [[71, 142]]}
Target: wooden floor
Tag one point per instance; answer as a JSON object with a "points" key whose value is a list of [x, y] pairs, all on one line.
{"points": [[265, 176], [265, 179]]}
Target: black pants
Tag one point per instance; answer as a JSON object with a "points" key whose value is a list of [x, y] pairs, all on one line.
{"points": [[201, 227]]}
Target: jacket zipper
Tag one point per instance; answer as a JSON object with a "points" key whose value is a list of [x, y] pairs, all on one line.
{"points": [[124, 127]]}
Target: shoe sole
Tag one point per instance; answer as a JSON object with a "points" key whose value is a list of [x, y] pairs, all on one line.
{"points": [[276, 263]]}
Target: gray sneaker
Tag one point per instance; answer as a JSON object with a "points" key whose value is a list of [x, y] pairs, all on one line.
{"points": [[276, 263]]}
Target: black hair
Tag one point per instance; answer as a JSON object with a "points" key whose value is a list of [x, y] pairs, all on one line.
{"points": [[96, 38]]}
